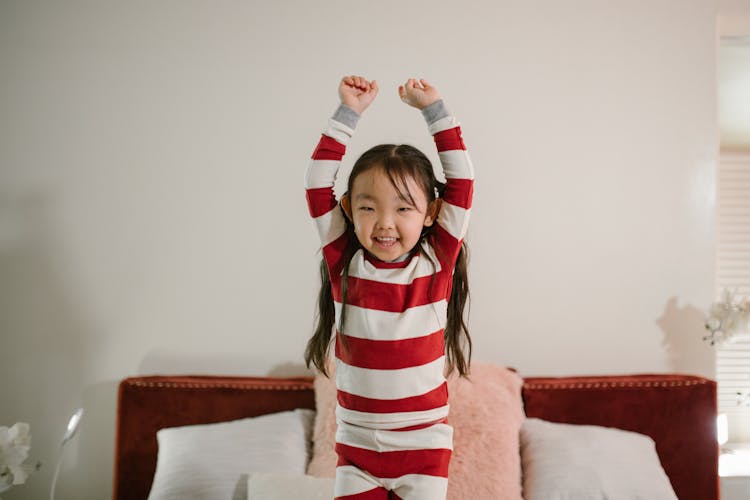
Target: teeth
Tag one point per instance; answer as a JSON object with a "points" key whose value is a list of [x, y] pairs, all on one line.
{"points": [[386, 239]]}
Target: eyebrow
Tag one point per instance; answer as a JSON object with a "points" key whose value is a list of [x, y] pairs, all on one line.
{"points": [[368, 197]]}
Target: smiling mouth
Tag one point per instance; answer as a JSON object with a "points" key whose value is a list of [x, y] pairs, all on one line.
{"points": [[386, 241]]}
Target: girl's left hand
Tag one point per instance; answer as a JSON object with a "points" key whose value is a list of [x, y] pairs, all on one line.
{"points": [[418, 93]]}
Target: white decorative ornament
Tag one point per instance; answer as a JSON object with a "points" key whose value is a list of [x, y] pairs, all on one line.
{"points": [[15, 443], [727, 318]]}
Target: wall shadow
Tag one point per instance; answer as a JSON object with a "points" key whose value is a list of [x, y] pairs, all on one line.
{"points": [[44, 333], [94, 448], [683, 331]]}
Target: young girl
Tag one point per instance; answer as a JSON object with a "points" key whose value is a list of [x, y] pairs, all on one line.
{"points": [[394, 281]]}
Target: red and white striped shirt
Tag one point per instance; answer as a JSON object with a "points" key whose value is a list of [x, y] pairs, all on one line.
{"points": [[392, 375]]}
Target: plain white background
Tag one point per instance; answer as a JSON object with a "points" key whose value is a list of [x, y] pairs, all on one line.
{"points": [[152, 212]]}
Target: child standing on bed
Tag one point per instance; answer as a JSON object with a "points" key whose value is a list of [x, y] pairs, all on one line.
{"points": [[395, 283]]}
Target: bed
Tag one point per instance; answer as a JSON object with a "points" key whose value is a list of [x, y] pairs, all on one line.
{"points": [[677, 411]]}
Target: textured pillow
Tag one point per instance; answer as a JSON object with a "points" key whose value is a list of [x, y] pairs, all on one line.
{"points": [[265, 486], [486, 414], [209, 461], [588, 462]]}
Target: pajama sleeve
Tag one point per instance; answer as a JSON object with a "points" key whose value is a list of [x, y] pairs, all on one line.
{"points": [[319, 181], [453, 218]]}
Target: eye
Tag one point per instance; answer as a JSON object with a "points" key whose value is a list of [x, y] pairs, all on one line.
{"points": [[366, 209], [404, 209]]}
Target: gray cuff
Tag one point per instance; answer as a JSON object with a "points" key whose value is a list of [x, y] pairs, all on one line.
{"points": [[346, 115], [435, 111]]}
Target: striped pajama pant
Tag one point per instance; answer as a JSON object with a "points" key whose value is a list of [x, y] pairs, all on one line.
{"points": [[406, 464]]}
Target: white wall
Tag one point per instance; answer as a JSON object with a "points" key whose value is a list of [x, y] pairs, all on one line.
{"points": [[733, 67], [152, 216]]}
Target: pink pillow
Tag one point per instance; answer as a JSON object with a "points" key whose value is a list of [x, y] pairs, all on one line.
{"points": [[486, 414]]}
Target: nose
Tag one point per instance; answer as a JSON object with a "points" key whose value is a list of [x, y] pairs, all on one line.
{"points": [[385, 221]]}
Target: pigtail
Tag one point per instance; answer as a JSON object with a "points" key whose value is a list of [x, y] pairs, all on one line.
{"points": [[319, 344], [456, 333], [457, 338], [317, 347]]}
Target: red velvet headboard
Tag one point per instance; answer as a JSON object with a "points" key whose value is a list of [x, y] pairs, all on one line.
{"points": [[677, 411], [147, 404]]}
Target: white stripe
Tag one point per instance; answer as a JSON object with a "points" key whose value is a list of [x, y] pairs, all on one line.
{"points": [[390, 384], [339, 131], [330, 225], [396, 420], [443, 124], [385, 325], [457, 164], [321, 173], [454, 219], [419, 267], [350, 480], [438, 436], [418, 486]]}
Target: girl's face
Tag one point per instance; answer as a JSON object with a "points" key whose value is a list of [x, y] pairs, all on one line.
{"points": [[386, 224]]}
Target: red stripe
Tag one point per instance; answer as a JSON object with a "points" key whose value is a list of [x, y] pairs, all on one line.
{"points": [[378, 493], [392, 297], [421, 426], [449, 248], [320, 201], [333, 253], [435, 398], [328, 148], [391, 464], [391, 354], [459, 192], [449, 140]]}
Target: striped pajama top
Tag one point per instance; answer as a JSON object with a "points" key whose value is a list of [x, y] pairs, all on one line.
{"points": [[392, 374]]}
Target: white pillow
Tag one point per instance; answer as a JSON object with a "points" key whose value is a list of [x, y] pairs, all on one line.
{"points": [[265, 486], [588, 462], [212, 461]]}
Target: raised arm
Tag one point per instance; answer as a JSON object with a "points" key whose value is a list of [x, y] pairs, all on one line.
{"points": [[356, 95], [453, 218]]}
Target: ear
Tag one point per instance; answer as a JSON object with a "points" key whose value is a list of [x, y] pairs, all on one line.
{"points": [[346, 206], [433, 209]]}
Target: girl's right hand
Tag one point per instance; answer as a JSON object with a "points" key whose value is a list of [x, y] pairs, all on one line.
{"points": [[357, 93]]}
